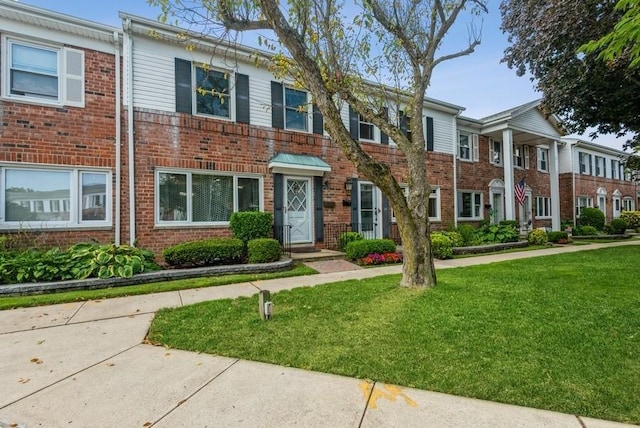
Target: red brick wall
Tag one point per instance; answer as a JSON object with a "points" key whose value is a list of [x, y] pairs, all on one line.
{"points": [[184, 141], [66, 136]]}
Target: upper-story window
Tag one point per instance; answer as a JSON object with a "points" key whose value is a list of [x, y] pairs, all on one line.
{"points": [[42, 74], [521, 156], [295, 107], [543, 159], [600, 166], [615, 169], [584, 159], [213, 92], [495, 152], [366, 130], [468, 146]]}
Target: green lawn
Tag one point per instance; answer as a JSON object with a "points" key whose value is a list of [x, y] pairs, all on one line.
{"points": [[155, 287], [559, 332]]}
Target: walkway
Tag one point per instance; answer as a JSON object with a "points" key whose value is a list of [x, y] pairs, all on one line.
{"points": [[86, 364]]}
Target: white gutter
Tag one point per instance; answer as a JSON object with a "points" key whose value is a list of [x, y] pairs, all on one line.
{"points": [[130, 160], [116, 40]]}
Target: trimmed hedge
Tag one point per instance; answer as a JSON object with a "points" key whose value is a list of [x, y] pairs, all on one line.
{"points": [[537, 237], [591, 217], [208, 252], [248, 225], [557, 236], [618, 226], [358, 249], [441, 246], [264, 250], [347, 237]]}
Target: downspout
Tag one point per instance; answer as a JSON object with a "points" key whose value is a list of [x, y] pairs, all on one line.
{"points": [[131, 160], [573, 185], [455, 174], [116, 41]]}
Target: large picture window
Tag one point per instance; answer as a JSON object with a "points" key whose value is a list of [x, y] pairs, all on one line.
{"points": [[43, 198], [198, 198], [213, 92]]}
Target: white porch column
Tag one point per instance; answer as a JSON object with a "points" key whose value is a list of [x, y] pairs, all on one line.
{"points": [[554, 181], [509, 197]]}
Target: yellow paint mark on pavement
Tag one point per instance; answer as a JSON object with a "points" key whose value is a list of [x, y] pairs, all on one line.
{"points": [[389, 392]]}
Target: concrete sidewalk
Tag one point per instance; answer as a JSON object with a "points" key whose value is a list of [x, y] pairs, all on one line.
{"points": [[85, 365]]}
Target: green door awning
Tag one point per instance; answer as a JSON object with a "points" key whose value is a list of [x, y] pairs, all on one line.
{"points": [[288, 162]]}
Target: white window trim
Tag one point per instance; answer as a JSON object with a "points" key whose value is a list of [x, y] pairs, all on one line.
{"points": [[75, 193], [308, 110], [231, 97], [492, 153], [627, 202], [547, 207], [540, 152], [473, 218], [474, 154], [435, 190], [589, 204], [63, 73], [189, 173], [376, 132]]}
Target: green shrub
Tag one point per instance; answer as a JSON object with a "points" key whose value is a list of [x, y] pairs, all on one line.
{"points": [[498, 234], [591, 217], [358, 249], [456, 238], [588, 231], [77, 262], [206, 252], [514, 223], [264, 250], [248, 225], [618, 226], [441, 246], [537, 237], [468, 234], [557, 236], [632, 218], [347, 237]]}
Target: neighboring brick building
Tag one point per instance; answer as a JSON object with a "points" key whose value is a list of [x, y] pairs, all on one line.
{"points": [[69, 146], [59, 127]]}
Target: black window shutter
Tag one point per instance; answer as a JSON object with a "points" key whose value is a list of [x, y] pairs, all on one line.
{"points": [[354, 124], [318, 122], [278, 205], [242, 98], [384, 138], [403, 122], [386, 217], [318, 209], [355, 205], [183, 86], [277, 105], [429, 134]]}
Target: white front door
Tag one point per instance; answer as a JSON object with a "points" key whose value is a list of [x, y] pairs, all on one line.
{"points": [[370, 211], [497, 207], [297, 209]]}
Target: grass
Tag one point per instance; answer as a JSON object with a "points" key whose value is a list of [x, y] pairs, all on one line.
{"points": [[155, 287], [559, 332]]}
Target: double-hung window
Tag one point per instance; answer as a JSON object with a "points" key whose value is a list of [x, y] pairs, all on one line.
{"points": [[627, 204], [600, 166], [584, 159], [42, 73], [543, 207], [583, 202], [543, 159], [366, 130], [495, 152], [469, 205], [615, 169], [464, 146], [434, 203], [54, 197], [190, 197], [295, 109], [213, 92], [521, 156]]}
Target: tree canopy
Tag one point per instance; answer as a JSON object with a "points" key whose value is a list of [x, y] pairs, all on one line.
{"points": [[580, 88], [336, 50]]}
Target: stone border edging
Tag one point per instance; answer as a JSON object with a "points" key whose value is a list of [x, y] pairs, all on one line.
{"points": [[480, 249], [143, 278]]}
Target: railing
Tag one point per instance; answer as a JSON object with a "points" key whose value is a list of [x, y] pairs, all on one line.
{"points": [[333, 231], [282, 233]]}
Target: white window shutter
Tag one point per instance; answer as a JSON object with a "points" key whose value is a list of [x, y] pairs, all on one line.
{"points": [[475, 148], [73, 77], [491, 152], [526, 156], [458, 146]]}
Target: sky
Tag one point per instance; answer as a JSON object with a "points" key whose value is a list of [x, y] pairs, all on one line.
{"points": [[479, 82]]}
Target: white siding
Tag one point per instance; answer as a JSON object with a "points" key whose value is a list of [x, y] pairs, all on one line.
{"points": [[564, 159], [153, 80], [443, 125], [534, 121], [260, 95]]}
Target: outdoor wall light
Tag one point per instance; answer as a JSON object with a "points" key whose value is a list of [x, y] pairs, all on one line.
{"points": [[348, 184]]}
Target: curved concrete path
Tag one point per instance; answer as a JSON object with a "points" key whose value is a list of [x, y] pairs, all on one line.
{"points": [[86, 364]]}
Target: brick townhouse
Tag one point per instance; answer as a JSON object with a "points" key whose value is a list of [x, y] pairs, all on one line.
{"points": [[70, 148], [59, 132]]}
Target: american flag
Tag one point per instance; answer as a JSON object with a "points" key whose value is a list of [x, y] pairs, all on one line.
{"points": [[520, 196]]}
